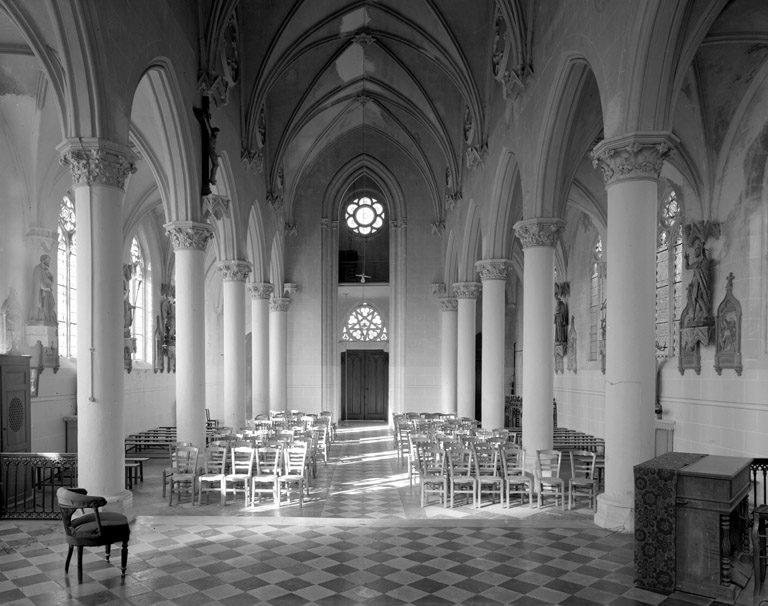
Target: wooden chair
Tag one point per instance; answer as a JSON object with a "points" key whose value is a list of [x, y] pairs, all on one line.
{"points": [[240, 472], [516, 480], [582, 482], [548, 479], [490, 480], [461, 474], [183, 472], [434, 475], [91, 529], [214, 473], [294, 466], [265, 478], [168, 471]]}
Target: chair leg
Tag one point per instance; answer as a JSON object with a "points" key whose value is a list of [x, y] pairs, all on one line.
{"points": [[69, 558], [80, 564], [107, 549], [124, 557]]}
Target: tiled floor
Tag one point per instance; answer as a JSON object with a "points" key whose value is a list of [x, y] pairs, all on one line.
{"points": [[362, 538]]}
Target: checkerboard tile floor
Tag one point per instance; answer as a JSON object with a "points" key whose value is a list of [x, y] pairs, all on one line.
{"points": [[361, 539]]}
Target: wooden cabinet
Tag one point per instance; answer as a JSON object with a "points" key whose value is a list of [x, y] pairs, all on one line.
{"points": [[711, 520], [15, 399]]}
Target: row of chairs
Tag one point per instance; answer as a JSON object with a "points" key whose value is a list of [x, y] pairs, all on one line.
{"points": [[495, 467], [240, 470]]}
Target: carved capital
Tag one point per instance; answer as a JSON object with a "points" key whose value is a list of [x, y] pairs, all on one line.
{"points": [[398, 223], [449, 304], [633, 156], [260, 290], [467, 290], [186, 234], [279, 304], [538, 232], [438, 228], [96, 162], [234, 271], [439, 289], [275, 201], [492, 269], [215, 206], [452, 200]]}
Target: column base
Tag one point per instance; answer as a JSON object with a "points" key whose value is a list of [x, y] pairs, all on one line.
{"points": [[121, 502], [615, 513]]}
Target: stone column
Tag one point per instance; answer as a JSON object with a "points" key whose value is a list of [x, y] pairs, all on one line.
{"points": [[278, 353], [448, 347], [466, 295], [493, 274], [631, 166], [538, 238], [189, 240], [234, 274], [99, 172], [260, 294]]}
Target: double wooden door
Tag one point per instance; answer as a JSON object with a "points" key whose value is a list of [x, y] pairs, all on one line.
{"points": [[364, 385]]}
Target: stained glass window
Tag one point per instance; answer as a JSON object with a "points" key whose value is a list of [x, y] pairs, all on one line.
{"points": [[597, 301], [364, 216], [66, 279], [140, 299], [669, 288], [364, 324]]}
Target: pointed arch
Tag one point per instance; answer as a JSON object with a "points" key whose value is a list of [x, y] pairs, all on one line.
{"points": [[470, 244], [256, 246], [505, 197]]}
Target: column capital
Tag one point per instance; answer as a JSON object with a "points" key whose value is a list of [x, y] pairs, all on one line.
{"points": [[538, 232], [449, 304], [260, 290], [439, 290], [97, 162], [234, 271], [492, 269], [279, 304], [467, 290], [326, 223], [633, 156], [188, 234]]}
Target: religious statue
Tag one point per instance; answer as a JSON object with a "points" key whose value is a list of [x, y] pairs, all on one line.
{"points": [[10, 311], [561, 322], [43, 296], [127, 306], [700, 285]]}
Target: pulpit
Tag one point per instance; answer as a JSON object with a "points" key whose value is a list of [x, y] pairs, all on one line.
{"points": [[691, 524]]}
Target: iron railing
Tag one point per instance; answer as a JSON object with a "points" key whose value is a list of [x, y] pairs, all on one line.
{"points": [[29, 481]]}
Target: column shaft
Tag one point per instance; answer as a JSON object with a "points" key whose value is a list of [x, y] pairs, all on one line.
{"points": [[466, 293], [538, 343], [189, 242], [448, 347], [234, 274], [278, 353], [493, 274], [260, 347]]}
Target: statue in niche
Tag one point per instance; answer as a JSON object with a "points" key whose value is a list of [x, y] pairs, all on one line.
{"points": [[166, 323], [700, 285], [43, 298], [11, 311], [728, 325], [159, 361], [561, 321], [571, 347], [129, 343]]}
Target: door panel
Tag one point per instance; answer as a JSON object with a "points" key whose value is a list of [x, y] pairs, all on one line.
{"points": [[364, 385]]}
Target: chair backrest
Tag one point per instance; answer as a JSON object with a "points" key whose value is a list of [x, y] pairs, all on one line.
{"points": [[215, 459], [184, 459], [512, 459], [582, 463], [461, 462], [295, 458], [488, 459], [548, 463], [242, 460], [72, 499], [433, 459], [269, 460]]}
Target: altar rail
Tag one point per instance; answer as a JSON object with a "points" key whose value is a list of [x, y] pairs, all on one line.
{"points": [[29, 481]]}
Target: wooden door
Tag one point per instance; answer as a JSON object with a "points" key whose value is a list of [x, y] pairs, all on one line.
{"points": [[15, 416], [364, 385]]}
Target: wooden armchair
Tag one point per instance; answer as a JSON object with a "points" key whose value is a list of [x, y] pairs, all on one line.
{"points": [[91, 529]]}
